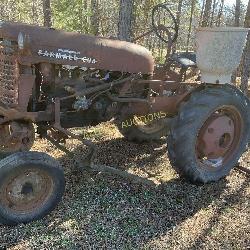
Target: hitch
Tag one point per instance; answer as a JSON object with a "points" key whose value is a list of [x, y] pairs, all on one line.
{"points": [[87, 161]]}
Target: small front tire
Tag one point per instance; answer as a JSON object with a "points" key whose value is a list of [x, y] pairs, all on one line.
{"points": [[31, 186]]}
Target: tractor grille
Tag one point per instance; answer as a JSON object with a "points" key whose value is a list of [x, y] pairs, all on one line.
{"points": [[8, 73]]}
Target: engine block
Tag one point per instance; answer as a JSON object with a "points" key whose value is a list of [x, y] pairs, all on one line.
{"points": [[8, 73]]}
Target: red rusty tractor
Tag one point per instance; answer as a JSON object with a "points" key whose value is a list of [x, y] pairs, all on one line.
{"points": [[59, 80]]}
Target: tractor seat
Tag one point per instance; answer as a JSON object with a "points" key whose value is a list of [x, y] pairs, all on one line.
{"points": [[185, 59]]}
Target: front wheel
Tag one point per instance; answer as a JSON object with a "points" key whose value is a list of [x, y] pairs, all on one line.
{"points": [[209, 134], [31, 185]]}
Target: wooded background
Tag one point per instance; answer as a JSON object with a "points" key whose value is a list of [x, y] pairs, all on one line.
{"points": [[127, 19]]}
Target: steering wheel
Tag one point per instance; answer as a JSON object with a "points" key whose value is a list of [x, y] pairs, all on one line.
{"points": [[165, 33]]}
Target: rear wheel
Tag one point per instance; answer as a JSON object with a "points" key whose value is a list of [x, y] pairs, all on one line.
{"points": [[210, 134], [31, 185], [144, 128]]}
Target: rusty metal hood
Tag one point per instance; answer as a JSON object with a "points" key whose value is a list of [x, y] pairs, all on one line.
{"points": [[60, 47]]}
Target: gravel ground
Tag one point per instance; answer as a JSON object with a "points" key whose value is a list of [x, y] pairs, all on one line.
{"points": [[100, 211]]}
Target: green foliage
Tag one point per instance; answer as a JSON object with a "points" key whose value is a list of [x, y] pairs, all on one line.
{"points": [[22, 11], [71, 15]]}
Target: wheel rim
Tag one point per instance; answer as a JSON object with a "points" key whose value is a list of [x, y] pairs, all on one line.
{"points": [[27, 191], [219, 138]]}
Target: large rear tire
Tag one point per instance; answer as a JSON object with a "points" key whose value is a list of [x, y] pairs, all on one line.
{"points": [[152, 127], [209, 134], [31, 185]]}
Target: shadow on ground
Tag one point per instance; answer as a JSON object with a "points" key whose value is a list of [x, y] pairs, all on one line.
{"points": [[104, 212]]}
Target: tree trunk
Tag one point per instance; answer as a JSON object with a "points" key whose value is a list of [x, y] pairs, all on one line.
{"points": [[47, 13], [246, 55], [125, 20], [247, 18], [178, 17], [95, 18], [213, 11], [85, 17], [190, 24], [218, 23], [237, 13], [207, 13], [202, 12], [236, 24], [35, 16]]}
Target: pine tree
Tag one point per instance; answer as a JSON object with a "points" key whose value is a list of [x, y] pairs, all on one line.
{"points": [[94, 19], [237, 13], [47, 13], [125, 19], [207, 13], [218, 22]]}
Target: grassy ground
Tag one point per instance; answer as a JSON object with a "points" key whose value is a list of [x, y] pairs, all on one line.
{"points": [[103, 212]]}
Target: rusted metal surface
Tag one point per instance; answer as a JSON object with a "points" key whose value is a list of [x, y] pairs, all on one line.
{"points": [[44, 47], [16, 137], [165, 73], [10, 114], [48, 73], [171, 94], [219, 138], [40, 59], [26, 83], [8, 74], [59, 134], [26, 191], [100, 87], [163, 102], [168, 104], [15, 87], [59, 47]]}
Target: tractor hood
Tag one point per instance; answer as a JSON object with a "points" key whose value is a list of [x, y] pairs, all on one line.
{"points": [[68, 48]]}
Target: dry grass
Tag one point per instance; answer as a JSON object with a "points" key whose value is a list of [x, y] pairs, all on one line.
{"points": [[104, 212]]}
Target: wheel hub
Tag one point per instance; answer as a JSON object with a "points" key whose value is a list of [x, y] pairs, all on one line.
{"points": [[26, 191], [219, 137]]}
